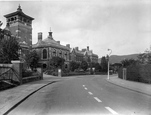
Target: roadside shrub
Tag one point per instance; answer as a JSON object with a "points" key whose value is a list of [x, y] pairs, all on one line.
{"points": [[138, 73], [26, 73]]}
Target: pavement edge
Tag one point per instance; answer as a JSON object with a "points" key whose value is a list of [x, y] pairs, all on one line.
{"points": [[129, 88], [24, 98]]}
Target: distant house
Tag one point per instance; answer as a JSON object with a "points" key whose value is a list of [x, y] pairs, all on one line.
{"points": [[83, 55], [76, 55]]}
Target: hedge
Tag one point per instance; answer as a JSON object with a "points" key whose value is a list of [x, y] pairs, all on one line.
{"points": [[139, 73]]}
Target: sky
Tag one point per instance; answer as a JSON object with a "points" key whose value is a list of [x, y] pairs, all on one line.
{"points": [[124, 26]]}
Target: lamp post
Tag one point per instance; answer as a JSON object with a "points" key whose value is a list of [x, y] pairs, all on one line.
{"points": [[108, 57]]}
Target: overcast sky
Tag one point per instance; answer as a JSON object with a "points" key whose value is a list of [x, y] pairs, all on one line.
{"points": [[121, 25]]}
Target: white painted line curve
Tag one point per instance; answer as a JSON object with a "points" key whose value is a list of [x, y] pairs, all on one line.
{"points": [[111, 110]]}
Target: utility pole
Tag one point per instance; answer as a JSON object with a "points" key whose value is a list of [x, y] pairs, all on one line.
{"points": [[108, 57]]}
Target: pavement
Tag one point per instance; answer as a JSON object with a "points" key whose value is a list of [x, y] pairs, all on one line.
{"points": [[131, 85], [12, 97]]}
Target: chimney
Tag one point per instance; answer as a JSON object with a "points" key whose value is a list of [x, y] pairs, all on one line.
{"points": [[68, 45], [77, 48], [40, 36], [88, 48], [58, 42]]}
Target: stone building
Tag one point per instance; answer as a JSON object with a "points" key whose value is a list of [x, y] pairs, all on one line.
{"points": [[76, 55], [83, 55], [49, 48], [20, 26], [89, 54]]}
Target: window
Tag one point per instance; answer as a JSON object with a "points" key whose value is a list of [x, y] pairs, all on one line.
{"points": [[60, 53], [44, 66], [65, 56], [44, 54], [66, 66], [54, 52]]}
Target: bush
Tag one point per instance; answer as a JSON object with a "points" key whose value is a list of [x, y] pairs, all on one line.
{"points": [[26, 73], [139, 73]]}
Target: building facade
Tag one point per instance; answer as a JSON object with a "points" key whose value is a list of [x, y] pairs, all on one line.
{"points": [[20, 26], [49, 48], [83, 55], [76, 55]]}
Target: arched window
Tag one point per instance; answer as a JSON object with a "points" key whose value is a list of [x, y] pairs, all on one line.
{"points": [[44, 54]]}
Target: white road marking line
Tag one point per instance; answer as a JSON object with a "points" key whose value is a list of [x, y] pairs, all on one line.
{"points": [[111, 110], [90, 93], [86, 88], [97, 99]]}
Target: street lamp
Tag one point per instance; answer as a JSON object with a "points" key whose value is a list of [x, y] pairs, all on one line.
{"points": [[108, 57]]}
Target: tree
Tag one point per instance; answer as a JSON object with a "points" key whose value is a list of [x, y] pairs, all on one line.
{"points": [[98, 67], [32, 59], [74, 65], [128, 62], [104, 64], [57, 62], [9, 49], [84, 65], [145, 58]]}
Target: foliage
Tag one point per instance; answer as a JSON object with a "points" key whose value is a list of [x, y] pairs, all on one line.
{"points": [[26, 73], [74, 65], [145, 58], [138, 73], [104, 64], [97, 67], [84, 65], [8, 49], [57, 62], [32, 59], [128, 62]]}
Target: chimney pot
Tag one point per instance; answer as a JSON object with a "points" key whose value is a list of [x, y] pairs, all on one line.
{"points": [[88, 48], [40, 36], [68, 45]]}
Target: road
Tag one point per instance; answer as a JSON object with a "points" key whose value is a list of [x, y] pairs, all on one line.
{"points": [[85, 95]]}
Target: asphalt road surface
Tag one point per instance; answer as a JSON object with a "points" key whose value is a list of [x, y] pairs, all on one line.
{"points": [[85, 95]]}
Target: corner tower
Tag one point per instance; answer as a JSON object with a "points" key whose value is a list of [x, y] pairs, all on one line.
{"points": [[20, 25]]}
